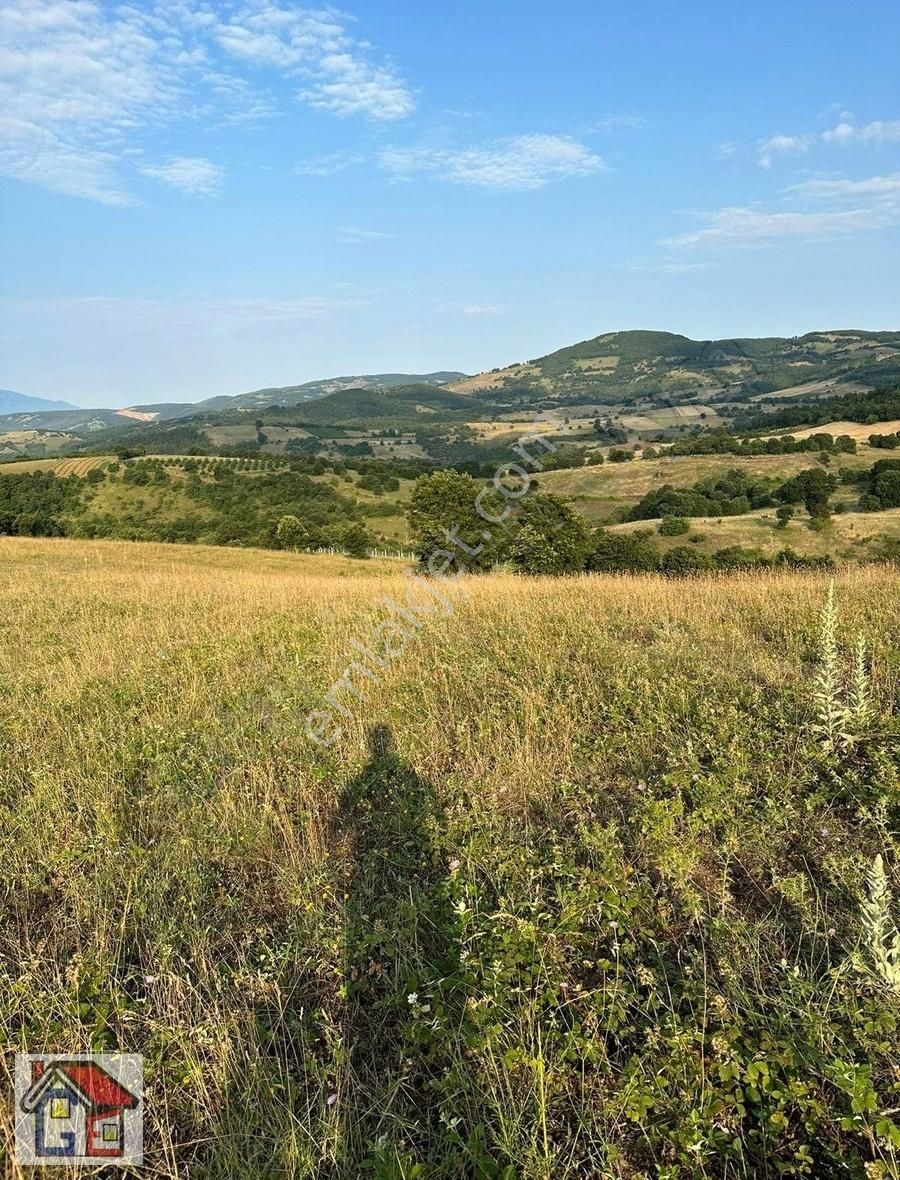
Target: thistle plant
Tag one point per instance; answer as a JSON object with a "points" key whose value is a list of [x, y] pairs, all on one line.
{"points": [[880, 933], [841, 717]]}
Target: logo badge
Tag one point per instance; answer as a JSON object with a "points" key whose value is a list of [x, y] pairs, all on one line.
{"points": [[79, 1108]]}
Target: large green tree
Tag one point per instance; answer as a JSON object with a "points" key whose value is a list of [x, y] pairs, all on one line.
{"points": [[549, 536], [443, 517]]}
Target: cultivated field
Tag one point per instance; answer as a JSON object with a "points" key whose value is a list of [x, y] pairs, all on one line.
{"points": [[60, 467], [586, 887]]}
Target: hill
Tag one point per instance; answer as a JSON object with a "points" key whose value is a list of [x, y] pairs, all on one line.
{"points": [[35, 414], [292, 395], [625, 367], [619, 388], [15, 403], [583, 887]]}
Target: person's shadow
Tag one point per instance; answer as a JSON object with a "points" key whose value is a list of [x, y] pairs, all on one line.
{"points": [[402, 990]]}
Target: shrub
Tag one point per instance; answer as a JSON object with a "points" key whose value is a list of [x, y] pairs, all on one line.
{"points": [[685, 560], [673, 526], [291, 533], [623, 553], [784, 515]]}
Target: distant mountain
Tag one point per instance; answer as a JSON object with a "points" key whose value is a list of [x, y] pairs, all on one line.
{"points": [[288, 395], [16, 403], [35, 414]]}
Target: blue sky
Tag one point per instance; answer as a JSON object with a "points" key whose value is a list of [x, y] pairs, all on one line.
{"points": [[201, 198]]}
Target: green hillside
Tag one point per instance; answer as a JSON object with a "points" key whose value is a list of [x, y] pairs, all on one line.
{"points": [[619, 388], [626, 367]]}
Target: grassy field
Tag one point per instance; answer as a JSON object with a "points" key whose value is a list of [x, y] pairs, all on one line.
{"points": [[599, 491], [849, 536], [587, 887]]}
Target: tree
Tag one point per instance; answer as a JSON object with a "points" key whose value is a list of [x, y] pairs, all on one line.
{"points": [[785, 515], [354, 539], [813, 488], [550, 536], [623, 553], [443, 503], [673, 526], [685, 560], [291, 533]]}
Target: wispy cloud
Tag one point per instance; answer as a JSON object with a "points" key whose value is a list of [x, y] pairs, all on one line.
{"points": [[845, 133], [883, 189], [878, 132], [667, 267], [337, 72], [620, 123], [330, 164], [474, 310], [180, 316], [353, 235], [754, 227], [523, 163], [81, 80], [834, 206], [780, 145], [189, 174]]}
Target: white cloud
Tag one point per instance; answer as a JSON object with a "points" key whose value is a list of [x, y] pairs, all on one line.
{"points": [[777, 145], [667, 267], [523, 163], [475, 310], [314, 45], [725, 151], [82, 81], [331, 164], [874, 204], [620, 123], [844, 133], [189, 174], [883, 189], [352, 235]]}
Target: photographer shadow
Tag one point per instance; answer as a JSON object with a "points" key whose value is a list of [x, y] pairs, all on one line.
{"points": [[403, 1006]]}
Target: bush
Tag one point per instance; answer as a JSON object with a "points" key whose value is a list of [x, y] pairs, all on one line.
{"points": [[739, 557], [623, 553], [673, 526], [784, 515], [291, 533], [685, 560]]}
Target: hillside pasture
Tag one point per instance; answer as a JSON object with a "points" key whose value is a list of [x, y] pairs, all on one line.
{"points": [[850, 536], [599, 491], [576, 891], [860, 431]]}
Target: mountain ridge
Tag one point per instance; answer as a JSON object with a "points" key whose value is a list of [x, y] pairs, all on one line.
{"points": [[12, 402]]}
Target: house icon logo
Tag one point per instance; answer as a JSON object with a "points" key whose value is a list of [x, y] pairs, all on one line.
{"points": [[79, 1109]]}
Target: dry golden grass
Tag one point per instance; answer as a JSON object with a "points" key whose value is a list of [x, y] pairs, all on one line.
{"points": [[327, 958], [597, 491], [849, 536], [854, 429]]}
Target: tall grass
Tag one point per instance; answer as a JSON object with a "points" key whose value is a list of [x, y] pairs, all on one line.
{"points": [[581, 893]]}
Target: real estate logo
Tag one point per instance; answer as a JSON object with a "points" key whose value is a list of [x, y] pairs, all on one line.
{"points": [[79, 1108]]}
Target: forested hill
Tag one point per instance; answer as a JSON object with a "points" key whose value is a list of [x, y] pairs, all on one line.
{"points": [[622, 367]]}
